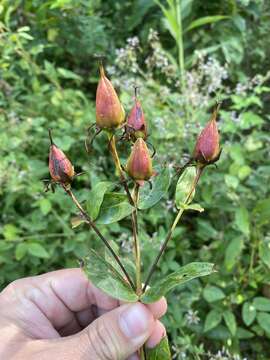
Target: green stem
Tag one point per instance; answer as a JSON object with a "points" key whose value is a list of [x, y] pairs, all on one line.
{"points": [[133, 201], [92, 225], [137, 249], [180, 44], [170, 233], [113, 150]]}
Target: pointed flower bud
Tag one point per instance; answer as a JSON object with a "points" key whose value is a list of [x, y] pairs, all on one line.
{"points": [[139, 164], [207, 149], [109, 111], [60, 167], [136, 124]]}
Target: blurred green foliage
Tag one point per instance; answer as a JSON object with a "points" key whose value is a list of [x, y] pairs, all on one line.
{"points": [[48, 76]]}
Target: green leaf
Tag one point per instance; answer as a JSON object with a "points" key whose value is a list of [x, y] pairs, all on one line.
{"points": [[205, 20], [195, 207], [10, 232], [96, 196], [213, 318], [159, 352], [262, 212], [213, 293], [263, 319], [115, 213], [139, 10], [67, 74], [114, 208], [248, 313], [264, 252], [128, 264], [160, 186], [105, 277], [242, 333], [21, 250], [261, 303], [76, 221], [179, 277], [230, 321], [184, 186], [242, 220], [45, 206], [37, 250], [233, 251], [250, 119]]}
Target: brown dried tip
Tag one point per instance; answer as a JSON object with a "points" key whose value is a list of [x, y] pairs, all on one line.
{"points": [[136, 124], [60, 167], [109, 111], [207, 149], [139, 164]]}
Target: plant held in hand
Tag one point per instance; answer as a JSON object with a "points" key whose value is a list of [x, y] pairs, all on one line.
{"points": [[118, 276]]}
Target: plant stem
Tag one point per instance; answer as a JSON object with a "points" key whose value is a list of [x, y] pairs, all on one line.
{"points": [[180, 44], [93, 226], [112, 146], [133, 202], [137, 250], [176, 220]]}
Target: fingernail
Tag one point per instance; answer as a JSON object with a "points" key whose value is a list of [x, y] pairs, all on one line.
{"points": [[135, 321]]}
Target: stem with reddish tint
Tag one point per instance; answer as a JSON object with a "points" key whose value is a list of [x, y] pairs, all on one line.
{"points": [[170, 233], [92, 225]]}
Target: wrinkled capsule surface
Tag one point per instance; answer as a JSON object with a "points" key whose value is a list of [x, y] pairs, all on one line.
{"points": [[207, 147], [139, 164], [109, 111], [60, 167], [136, 121]]}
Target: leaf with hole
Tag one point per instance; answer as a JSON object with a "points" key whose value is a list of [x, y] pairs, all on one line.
{"points": [[105, 277], [179, 277]]}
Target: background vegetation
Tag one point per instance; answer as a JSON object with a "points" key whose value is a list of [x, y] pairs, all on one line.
{"points": [[184, 55]]}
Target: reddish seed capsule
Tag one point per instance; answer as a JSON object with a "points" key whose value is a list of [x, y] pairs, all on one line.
{"points": [[207, 149], [109, 111], [136, 124], [60, 167], [139, 164]]}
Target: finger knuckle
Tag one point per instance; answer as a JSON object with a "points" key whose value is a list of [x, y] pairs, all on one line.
{"points": [[102, 342]]}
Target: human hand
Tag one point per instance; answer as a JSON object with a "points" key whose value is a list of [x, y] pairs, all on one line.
{"points": [[61, 315]]}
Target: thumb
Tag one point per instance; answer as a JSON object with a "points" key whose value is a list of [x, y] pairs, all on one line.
{"points": [[114, 336]]}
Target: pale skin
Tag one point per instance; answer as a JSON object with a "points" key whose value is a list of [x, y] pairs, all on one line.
{"points": [[61, 315]]}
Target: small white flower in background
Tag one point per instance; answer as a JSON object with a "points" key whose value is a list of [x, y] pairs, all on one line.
{"points": [[192, 317], [133, 41], [224, 354]]}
